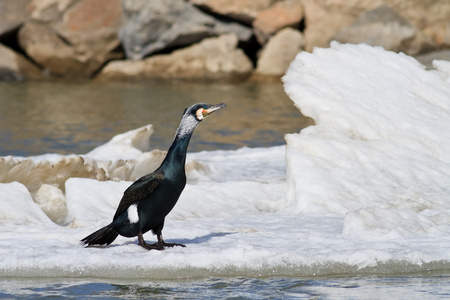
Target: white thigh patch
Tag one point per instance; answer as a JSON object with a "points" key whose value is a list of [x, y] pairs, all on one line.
{"points": [[133, 213]]}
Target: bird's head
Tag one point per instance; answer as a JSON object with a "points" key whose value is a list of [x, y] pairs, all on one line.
{"points": [[193, 115], [201, 110]]}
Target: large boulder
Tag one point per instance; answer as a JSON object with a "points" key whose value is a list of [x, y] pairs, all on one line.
{"points": [[213, 59], [440, 33], [244, 11], [282, 14], [386, 28], [325, 18], [430, 16], [279, 52], [72, 38], [13, 66], [153, 26], [12, 15]]}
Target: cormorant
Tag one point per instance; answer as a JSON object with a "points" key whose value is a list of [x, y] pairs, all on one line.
{"points": [[146, 203]]}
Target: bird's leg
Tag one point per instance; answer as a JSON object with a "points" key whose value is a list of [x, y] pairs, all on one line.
{"points": [[143, 244], [158, 231], [164, 244]]}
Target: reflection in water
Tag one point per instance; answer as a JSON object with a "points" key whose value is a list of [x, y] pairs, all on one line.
{"points": [[62, 117]]}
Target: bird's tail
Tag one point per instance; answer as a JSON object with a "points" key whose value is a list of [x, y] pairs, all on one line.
{"points": [[103, 236]]}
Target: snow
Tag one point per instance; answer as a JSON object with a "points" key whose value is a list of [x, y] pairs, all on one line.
{"points": [[365, 190], [379, 153], [127, 145], [17, 206]]}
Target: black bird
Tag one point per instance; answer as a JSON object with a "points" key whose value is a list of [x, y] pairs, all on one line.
{"points": [[146, 203]]}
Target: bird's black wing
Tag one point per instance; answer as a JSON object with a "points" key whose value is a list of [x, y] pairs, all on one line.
{"points": [[139, 190]]}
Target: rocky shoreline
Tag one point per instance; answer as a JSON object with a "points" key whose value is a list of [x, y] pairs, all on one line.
{"points": [[203, 40]]}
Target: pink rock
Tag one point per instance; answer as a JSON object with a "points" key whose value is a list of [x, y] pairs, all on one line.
{"points": [[72, 38], [286, 13]]}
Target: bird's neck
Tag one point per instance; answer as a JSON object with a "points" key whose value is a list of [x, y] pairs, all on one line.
{"points": [[175, 159]]}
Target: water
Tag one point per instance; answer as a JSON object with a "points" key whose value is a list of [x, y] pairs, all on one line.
{"points": [[67, 118], [62, 117], [349, 287]]}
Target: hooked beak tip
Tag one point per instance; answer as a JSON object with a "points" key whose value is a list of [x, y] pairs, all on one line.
{"points": [[213, 108]]}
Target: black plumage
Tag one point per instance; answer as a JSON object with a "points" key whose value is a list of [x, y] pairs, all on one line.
{"points": [[146, 203]]}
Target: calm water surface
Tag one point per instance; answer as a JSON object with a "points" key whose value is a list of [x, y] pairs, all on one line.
{"points": [[66, 118]]}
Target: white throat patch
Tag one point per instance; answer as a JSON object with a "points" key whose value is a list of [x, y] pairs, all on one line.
{"points": [[133, 213], [188, 124]]}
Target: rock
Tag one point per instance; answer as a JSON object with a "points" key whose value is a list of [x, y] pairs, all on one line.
{"points": [[430, 16], [279, 52], [14, 66], [244, 11], [282, 14], [211, 59], [152, 26], [12, 15], [384, 27], [72, 38], [325, 18], [440, 33]]}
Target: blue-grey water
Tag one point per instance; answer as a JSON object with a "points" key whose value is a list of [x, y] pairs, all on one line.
{"points": [[75, 117], [349, 287]]}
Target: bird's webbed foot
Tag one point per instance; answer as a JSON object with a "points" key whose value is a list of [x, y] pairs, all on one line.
{"points": [[164, 244], [142, 243], [154, 246], [160, 245]]}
